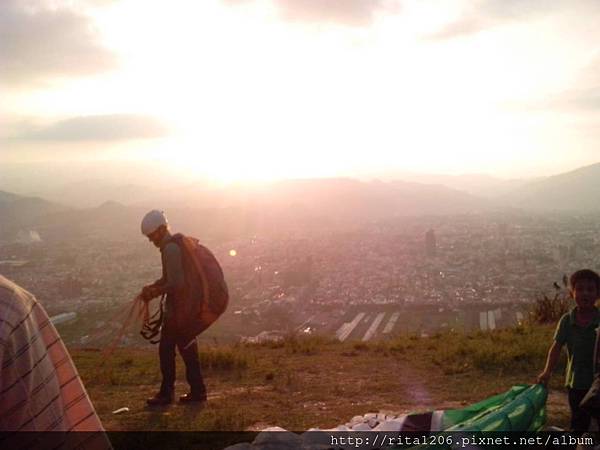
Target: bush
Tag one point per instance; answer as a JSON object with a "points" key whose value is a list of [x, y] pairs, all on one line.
{"points": [[551, 309]]}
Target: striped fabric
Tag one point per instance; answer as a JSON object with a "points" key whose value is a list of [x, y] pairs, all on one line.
{"points": [[40, 389]]}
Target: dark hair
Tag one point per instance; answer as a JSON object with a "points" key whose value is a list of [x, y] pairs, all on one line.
{"points": [[584, 274]]}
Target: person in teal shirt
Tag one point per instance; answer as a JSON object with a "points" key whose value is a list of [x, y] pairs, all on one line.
{"points": [[577, 330]]}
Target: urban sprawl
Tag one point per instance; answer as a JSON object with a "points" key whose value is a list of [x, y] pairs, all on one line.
{"points": [[369, 281]]}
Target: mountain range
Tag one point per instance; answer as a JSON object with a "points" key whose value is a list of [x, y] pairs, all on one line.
{"points": [[302, 202]]}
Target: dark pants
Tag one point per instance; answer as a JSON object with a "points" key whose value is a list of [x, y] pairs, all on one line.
{"points": [[189, 352], [580, 419]]}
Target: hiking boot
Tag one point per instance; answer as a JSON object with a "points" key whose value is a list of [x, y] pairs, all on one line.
{"points": [[192, 398], [160, 399]]}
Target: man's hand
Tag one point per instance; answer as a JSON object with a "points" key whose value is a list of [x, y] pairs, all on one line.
{"points": [[543, 378], [150, 291]]}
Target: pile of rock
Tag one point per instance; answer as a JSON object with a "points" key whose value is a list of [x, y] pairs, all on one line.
{"points": [[373, 422], [316, 438]]}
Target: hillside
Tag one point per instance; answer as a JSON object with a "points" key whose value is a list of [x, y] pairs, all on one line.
{"points": [[577, 190], [311, 382], [330, 203], [235, 211], [480, 185], [19, 211]]}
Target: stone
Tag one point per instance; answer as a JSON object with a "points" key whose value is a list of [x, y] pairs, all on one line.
{"points": [[357, 419], [240, 446], [390, 425], [361, 427], [315, 439], [277, 437]]}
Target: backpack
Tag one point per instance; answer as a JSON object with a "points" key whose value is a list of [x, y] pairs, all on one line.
{"points": [[205, 295]]}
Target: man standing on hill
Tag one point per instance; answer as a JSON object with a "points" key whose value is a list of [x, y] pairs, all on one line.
{"points": [[155, 226]]}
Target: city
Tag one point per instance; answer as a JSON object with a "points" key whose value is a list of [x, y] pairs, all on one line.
{"points": [[367, 281]]}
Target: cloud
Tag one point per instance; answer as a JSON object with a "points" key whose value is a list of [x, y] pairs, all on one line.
{"points": [[581, 100], [354, 13], [514, 9], [345, 12], [114, 127], [37, 42], [486, 14], [585, 97], [463, 27], [582, 97]]}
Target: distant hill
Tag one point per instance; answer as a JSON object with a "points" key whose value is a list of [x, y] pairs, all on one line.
{"points": [[110, 218], [577, 190], [242, 209], [237, 210], [375, 199], [19, 212], [334, 203], [480, 185], [92, 193]]}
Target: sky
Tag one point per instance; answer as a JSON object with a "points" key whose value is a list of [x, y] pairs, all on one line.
{"points": [[231, 90]]}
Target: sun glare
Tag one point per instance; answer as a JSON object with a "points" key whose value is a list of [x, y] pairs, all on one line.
{"points": [[248, 96], [251, 99]]}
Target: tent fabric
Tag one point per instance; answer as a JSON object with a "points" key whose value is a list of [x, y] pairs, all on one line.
{"points": [[521, 408]]}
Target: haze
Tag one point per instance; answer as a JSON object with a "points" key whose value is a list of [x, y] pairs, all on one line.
{"points": [[242, 90]]}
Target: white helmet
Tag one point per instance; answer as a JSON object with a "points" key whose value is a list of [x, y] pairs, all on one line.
{"points": [[152, 221]]}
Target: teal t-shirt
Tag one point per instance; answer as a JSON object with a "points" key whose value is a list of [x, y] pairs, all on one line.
{"points": [[580, 349]]}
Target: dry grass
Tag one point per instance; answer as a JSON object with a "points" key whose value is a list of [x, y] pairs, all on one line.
{"points": [[315, 382]]}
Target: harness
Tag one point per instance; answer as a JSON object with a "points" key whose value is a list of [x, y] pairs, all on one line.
{"points": [[152, 324]]}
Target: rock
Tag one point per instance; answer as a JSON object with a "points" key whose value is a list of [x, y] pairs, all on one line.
{"points": [[361, 427], [370, 416], [240, 446], [372, 423], [315, 439], [269, 429], [276, 437], [389, 425], [357, 419]]}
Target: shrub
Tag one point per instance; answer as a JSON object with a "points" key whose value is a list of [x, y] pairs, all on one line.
{"points": [[550, 309]]}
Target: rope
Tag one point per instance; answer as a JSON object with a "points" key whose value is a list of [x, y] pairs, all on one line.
{"points": [[137, 302]]}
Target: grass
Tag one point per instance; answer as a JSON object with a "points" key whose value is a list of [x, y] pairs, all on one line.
{"points": [[303, 382], [505, 350]]}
